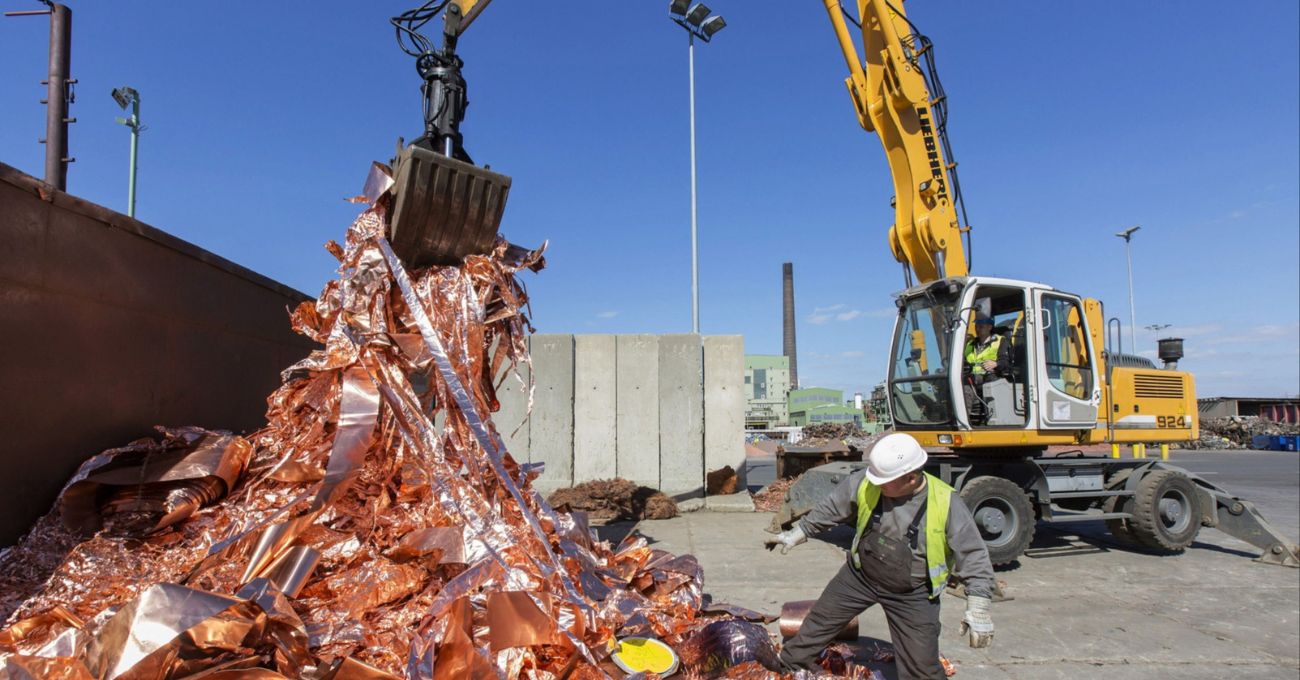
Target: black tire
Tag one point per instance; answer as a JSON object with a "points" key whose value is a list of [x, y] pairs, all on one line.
{"points": [[1166, 511], [1003, 514]]}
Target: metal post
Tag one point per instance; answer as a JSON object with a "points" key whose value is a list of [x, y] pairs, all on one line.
{"points": [[695, 260], [1132, 312], [135, 149], [58, 98], [1127, 235]]}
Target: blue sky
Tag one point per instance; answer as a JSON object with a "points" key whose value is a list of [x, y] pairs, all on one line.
{"points": [[1071, 121]]}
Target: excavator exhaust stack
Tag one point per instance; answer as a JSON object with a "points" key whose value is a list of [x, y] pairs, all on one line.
{"points": [[443, 208]]}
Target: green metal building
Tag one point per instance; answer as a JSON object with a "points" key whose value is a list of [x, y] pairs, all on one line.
{"points": [[815, 405]]}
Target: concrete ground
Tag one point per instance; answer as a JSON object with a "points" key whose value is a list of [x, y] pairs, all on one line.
{"points": [[1084, 606]]}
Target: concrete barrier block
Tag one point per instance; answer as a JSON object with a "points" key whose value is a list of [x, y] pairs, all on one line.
{"points": [[637, 429], [550, 430], [724, 404], [681, 414], [594, 412], [509, 419]]}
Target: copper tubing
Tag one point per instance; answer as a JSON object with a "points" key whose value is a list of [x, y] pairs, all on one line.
{"points": [[794, 613]]}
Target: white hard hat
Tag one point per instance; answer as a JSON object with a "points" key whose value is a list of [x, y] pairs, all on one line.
{"points": [[894, 456]]}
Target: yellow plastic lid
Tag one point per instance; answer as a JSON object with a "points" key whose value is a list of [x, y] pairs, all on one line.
{"points": [[635, 655]]}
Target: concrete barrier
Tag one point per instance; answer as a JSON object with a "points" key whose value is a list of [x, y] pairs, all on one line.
{"points": [[658, 410], [110, 327]]}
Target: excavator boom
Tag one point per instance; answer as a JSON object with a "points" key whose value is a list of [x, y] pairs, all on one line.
{"points": [[893, 99]]}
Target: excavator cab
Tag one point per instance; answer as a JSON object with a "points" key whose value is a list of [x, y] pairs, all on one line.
{"points": [[444, 206], [1048, 381]]}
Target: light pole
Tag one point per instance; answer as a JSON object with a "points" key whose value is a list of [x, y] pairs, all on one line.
{"points": [[127, 96], [698, 24], [1127, 235]]}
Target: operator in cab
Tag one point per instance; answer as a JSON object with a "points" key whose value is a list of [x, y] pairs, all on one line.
{"points": [[988, 357], [913, 534]]}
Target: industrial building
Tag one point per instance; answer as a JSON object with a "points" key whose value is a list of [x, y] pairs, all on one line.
{"points": [[821, 405], [767, 381], [1277, 409]]}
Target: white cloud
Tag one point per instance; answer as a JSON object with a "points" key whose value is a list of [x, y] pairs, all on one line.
{"points": [[1257, 335], [853, 354], [821, 315], [607, 315]]}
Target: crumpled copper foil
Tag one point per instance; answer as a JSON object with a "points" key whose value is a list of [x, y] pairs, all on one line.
{"points": [[723, 645], [148, 485], [376, 528]]}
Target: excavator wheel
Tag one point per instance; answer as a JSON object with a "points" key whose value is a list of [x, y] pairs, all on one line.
{"points": [[1166, 511], [1004, 515]]}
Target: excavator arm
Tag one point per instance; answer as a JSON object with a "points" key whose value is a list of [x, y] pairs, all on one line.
{"points": [[444, 207], [890, 94]]}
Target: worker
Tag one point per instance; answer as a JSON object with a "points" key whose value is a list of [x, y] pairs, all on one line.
{"points": [[913, 533], [988, 357]]}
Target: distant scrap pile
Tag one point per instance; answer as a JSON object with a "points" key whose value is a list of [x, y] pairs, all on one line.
{"points": [[855, 440], [1241, 432]]}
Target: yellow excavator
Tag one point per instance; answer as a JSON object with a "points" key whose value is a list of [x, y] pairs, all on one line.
{"points": [[1063, 385], [1053, 379]]}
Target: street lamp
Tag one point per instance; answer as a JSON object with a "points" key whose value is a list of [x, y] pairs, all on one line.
{"points": [[128, 97], [698, 24], [1127, 235]]}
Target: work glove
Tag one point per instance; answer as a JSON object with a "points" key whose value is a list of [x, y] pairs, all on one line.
{"points": [[786, 539], [977, 625]]}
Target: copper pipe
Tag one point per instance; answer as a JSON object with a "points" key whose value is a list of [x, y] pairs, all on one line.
{"points": [[794, 613]]}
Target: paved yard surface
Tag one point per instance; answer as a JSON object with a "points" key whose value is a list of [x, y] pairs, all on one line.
{"points": [[1084, 607]]}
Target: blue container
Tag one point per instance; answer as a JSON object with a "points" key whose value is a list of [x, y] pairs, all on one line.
{"points": [[1262, 442], [1288, 442]]}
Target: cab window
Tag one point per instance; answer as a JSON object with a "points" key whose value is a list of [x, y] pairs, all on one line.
{"points": [[1065, 348]]}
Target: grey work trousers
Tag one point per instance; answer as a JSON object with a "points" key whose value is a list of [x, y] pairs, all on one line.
{"points": [[913, 624]]}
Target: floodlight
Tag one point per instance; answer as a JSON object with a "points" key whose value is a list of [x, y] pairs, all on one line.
{"points": [[712, 25], [678, 7], [697, 14], [124, 96], [1127, 233]]}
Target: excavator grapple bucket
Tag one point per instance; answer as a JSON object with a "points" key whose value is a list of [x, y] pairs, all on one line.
{"points": [[443, 208]]}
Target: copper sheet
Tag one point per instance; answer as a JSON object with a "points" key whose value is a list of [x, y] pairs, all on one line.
{"points": [[440, 545], [22, 667], [794, 613], [519, 619], [161, 483]]}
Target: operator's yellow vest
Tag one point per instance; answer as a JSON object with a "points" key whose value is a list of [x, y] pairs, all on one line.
{"points": [[975, 359], [938, 556]]}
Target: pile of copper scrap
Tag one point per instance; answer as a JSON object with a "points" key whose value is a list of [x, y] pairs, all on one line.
{"points": [[615, 500], [377, 527], [721, 482], [770, 498]]}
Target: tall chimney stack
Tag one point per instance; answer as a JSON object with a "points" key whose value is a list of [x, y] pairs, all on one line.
{"points": [[788, 346]]}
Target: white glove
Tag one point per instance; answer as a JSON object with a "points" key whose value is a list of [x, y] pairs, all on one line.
{"points": [[786, 539], [977, 625]]}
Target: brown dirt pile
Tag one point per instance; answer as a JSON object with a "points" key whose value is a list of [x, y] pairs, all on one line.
{"points": [[615, 499]]}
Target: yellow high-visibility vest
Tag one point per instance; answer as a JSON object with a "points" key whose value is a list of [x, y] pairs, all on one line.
{"points": [[938, 556], [976, 358]]}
